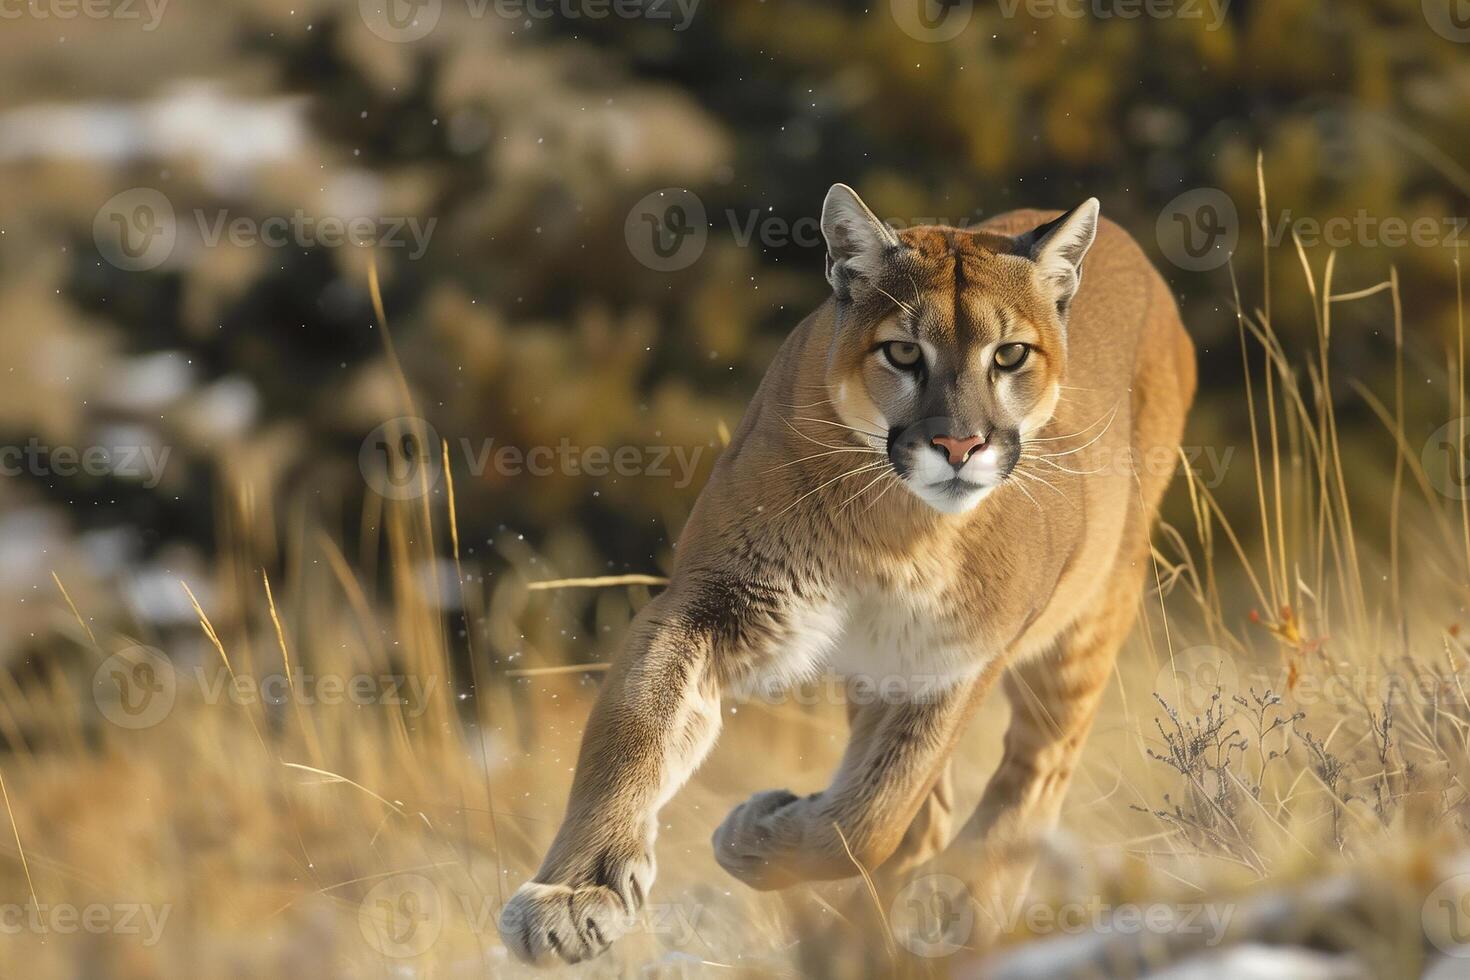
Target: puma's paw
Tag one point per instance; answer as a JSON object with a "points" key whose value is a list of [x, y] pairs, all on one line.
{"points": [[760, 840], [577, 920]]}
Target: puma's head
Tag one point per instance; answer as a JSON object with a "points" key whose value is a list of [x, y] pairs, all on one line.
{"points": [[949, 345]]}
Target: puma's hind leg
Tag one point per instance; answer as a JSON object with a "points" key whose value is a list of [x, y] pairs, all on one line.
{"points": [[1053, 701], [929, 831]]}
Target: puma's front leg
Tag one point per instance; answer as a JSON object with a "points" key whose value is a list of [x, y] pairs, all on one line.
{"points": [[894, 756], [654, 721]]}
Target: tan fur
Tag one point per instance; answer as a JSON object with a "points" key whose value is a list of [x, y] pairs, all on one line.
{"points": [[792, 562]]}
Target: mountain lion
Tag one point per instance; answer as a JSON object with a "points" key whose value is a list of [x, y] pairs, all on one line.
{"points": [[948, 476]]}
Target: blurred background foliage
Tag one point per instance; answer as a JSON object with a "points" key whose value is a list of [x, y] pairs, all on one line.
{"points": [[529, 320]]}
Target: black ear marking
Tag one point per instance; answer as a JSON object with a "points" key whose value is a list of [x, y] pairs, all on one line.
{"points": [[1058, 248], [1028, 243]]}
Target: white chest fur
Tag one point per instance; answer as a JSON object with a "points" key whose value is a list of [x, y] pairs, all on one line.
{"points": [[904, 645], [906, 639]]}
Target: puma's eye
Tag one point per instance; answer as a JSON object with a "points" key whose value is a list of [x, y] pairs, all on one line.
{"points": [[1008, 357], [902, 355]]}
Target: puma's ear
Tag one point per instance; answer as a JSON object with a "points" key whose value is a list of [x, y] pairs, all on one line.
{"points": [[856, 239], [1058, 248]]}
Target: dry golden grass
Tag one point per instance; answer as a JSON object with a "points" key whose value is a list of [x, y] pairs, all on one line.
{"points": [[1237, 753]]}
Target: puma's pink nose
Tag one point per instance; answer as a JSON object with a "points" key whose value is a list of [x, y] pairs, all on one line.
{"points": [[958, 450]]}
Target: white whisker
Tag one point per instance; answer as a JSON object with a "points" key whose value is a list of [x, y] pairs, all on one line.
{"points": [[815, 442], [1017, 471], [910, 276], [868, 468], [896, 301], [1072, 435], [1022, 487], [803, 408], [1058, 466], [864, 489], [834, 452], [874, 502], [840, 425], [1102, 432]]}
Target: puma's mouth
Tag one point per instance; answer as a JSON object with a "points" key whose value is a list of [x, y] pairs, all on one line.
{"points": [[956, 486], [952, 496]]}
